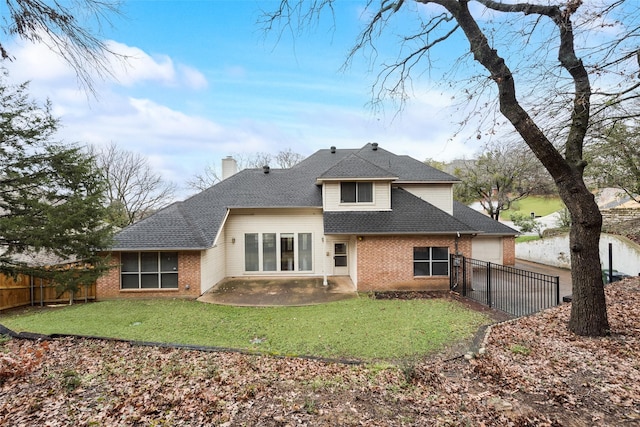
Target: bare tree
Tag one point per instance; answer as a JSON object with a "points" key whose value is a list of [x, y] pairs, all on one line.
{"points": [[553, 110], [134, 190], [500, 176], [210, 176], [615, 159], [288, 158], [60, 28]]}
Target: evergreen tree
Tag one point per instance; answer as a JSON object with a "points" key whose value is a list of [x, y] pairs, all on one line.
{"points": [[52, 213]]}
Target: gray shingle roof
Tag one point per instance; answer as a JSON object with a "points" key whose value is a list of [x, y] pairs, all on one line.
{"points": [[404, 167], [195, 222], [408, 215], [354, 166], [481, 222]]}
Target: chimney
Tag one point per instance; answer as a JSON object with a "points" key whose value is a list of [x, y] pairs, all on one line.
{"points": [[333, 149], [229, 167], [266, 169], [374, 146]]}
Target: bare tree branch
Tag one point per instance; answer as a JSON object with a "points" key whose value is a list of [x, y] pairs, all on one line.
{"points": [[59, 28]]}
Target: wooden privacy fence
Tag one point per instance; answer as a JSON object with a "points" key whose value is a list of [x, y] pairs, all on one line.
{"points": [[30, 290]]}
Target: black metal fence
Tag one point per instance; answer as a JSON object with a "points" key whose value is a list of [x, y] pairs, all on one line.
{"points": [[512, 290]]}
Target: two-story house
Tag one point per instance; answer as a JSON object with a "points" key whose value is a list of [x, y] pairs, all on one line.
{"points": [[388, 222]]}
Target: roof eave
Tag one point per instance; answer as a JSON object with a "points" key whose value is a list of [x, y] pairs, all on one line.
{"points": [[320, 180], [407, 233], [156, 249], [427, 182]]}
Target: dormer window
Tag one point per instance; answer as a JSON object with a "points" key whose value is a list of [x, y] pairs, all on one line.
{"points": [[356, 192]]}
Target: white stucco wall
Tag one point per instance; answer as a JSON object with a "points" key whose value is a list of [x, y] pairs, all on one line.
{"points": [[555, 251]]}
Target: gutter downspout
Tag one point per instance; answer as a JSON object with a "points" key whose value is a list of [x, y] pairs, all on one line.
{"points": [[325, 282]]}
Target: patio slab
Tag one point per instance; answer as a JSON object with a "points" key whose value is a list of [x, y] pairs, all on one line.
{"points": [[278, 291]]}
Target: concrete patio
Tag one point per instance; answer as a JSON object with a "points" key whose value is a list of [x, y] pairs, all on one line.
{"points": [[278, 291]]}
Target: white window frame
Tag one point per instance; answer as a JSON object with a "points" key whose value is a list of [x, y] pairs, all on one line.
{"points": [[296, 253]]}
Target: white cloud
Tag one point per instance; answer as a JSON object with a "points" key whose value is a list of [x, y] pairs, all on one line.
{"points": [[38, 63], [142, 67], [162, 125]]}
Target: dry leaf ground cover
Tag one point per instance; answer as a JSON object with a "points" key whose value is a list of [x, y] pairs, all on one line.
{"points": [[533, 373]]}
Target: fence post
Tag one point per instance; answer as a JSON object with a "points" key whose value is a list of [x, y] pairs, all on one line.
{"points": [[464, 276], [489, 302], [557, 280]]}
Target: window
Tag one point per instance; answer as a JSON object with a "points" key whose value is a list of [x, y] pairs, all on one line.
{"points": [[251, 252], [286, 252], [356, 192], [149, 270], [269, 252], [340, 254], [430, 261], [278, 252], [305, 253]]}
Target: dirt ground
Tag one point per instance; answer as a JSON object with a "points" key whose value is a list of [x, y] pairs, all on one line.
{"points": [[533, 373]]}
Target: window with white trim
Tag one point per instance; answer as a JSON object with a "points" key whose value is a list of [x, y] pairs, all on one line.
{"points": [[278, 252], [149, 270], [430, 261], [356, 192]]}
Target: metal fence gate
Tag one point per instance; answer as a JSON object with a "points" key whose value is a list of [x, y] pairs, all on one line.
{"points": [[512, 290]]}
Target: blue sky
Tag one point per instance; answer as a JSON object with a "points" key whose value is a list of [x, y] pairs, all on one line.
{"points": [[203, 81]]}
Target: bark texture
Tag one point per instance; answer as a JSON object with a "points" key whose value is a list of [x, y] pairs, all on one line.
{"points": [[588, 314]]}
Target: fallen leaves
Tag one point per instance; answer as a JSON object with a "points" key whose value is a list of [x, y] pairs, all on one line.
{"points": [[533, 373]]}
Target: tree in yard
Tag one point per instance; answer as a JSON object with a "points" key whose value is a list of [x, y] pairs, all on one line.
{"points": [[51, 197], [210, 176], [134, 190], [288, 158], [500, 176], [532, 45], [60, 28], [615, 159]]}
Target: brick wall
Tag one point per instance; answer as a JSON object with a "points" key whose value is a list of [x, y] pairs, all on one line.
{"points": [[386, 262], [509, 250], [616, 216], [108, 286]]}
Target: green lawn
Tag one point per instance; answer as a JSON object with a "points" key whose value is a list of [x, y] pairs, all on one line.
{"points": [[522, 239], [360, 328], [540, 205]]}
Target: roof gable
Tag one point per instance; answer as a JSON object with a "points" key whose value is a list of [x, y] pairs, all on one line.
{"points": [[406, 168], [354, 167]]}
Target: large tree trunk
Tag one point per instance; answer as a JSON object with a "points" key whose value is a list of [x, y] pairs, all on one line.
{"points": [[588, 308], [588, 311]]}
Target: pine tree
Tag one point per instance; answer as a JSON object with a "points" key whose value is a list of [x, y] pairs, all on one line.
{"points": [[52, 213]]}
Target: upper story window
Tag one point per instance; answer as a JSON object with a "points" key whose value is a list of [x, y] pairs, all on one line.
{"points": [[356, 192]]}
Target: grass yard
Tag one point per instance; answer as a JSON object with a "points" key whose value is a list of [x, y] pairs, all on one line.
{"points": [[526, 238], [540, 205], [360, 328]]}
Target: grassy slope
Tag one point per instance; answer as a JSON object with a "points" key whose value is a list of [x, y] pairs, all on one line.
{"points": [[540, 205], [359, 328]]}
